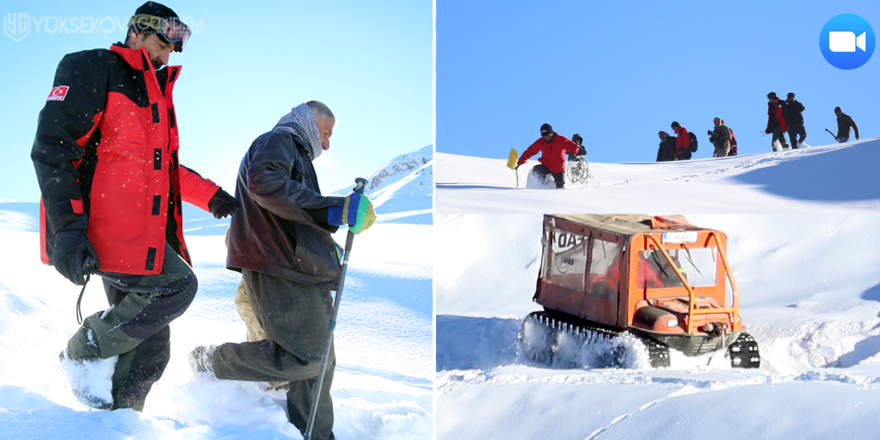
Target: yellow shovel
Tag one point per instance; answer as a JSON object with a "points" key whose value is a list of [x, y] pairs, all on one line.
{"points": [[511, 163]]}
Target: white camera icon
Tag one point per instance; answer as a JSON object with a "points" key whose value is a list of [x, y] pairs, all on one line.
{"points": [[845, 41]]}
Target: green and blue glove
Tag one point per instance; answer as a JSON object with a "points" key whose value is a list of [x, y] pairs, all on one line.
{"points": [[357, 212]]}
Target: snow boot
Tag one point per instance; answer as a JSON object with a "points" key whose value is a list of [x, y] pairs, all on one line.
{"points": [[201, 359], [90, 381]]}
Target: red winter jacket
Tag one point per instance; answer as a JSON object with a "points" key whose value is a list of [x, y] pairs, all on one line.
{"points": [[552, 153], [683, 140], [106, 156], [733, 147], [779, 104]]}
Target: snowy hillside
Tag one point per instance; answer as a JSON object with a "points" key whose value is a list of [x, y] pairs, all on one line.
{"points": [[402, 189], [835, 178], [384, 339], [810, 294]]}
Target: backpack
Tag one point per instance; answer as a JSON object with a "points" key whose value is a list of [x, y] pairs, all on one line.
{"points": [[693, 147]]}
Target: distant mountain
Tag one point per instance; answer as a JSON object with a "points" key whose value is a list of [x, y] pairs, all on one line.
{"points": [[402, 189]]}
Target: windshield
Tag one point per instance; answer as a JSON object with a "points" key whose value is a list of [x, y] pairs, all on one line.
{"points": [[699, 267]]}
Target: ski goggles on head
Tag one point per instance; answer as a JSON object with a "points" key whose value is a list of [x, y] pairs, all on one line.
{"points": [[169, 29]]}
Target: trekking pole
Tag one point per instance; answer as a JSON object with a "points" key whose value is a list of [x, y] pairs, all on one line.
{"points": [[832, 134], [360, 183]]}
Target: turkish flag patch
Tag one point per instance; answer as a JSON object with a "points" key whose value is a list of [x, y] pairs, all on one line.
{"points": [[58, 93]]}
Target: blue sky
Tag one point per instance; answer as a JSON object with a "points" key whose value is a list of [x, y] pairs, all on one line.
{"points": [[245, 66], [619, 72]]}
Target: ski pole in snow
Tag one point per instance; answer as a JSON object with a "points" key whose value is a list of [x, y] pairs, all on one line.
{"points": [[360, 183]]}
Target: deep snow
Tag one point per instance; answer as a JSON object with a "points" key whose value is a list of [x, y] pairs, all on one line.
{"points": [[384, 339], [802, 228]]}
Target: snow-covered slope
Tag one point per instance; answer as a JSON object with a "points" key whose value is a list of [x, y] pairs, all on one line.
{"points": [[810, 294], [402, 189], [384, 339], [839, 177]]}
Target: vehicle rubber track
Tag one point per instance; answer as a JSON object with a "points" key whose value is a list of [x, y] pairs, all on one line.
{"points": [[543, 348], [744, 352]]}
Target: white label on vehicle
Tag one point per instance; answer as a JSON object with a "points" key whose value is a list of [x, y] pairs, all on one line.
{"points": [[680, 237]]}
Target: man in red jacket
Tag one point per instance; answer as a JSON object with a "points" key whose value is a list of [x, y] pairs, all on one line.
{"points": [[682, 142], [106, 157], [776, 121], [552, 148]]}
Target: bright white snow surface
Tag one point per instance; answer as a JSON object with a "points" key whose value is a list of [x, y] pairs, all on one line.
{"points": [[838, 177], [384, 343], [810, 295]]}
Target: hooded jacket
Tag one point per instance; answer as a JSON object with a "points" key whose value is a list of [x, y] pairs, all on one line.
{"points": [[281, 228], [106, 158], [552, 153]]}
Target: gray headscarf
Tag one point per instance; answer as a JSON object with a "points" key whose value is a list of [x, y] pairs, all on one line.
{"points": [[300, 122]]}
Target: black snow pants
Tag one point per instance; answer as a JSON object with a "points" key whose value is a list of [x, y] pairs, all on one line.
{"points": [[558, 178], [797, 134], [135, 327], [778, 135]]}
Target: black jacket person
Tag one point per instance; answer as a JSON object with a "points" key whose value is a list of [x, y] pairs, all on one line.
{"points": [[794, 119], [844, 123]]}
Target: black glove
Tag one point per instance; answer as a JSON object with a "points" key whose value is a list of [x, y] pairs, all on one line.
{"points": [[72, 252], [223, 205], [709, 132]]}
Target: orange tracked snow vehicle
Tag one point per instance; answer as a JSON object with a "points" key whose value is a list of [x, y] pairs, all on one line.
{"points": [[661, 279]]}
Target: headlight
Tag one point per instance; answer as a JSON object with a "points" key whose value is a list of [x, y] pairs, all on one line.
{"points": [[672, 322]]}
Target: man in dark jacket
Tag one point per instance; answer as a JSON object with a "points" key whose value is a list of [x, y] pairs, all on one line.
{"points": [[844, 123], [582, 151], [720, 138], [775, 121], [666, 151], [281, 243], [794, 119], [552, 148], [104, 207]]}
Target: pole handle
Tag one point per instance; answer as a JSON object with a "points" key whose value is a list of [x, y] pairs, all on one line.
{"points": [[359, 185]]}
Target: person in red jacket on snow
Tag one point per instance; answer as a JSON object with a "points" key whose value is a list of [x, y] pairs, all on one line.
{"points": [[552, 148], [682, 142], [106, 158], [775, 121]]}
